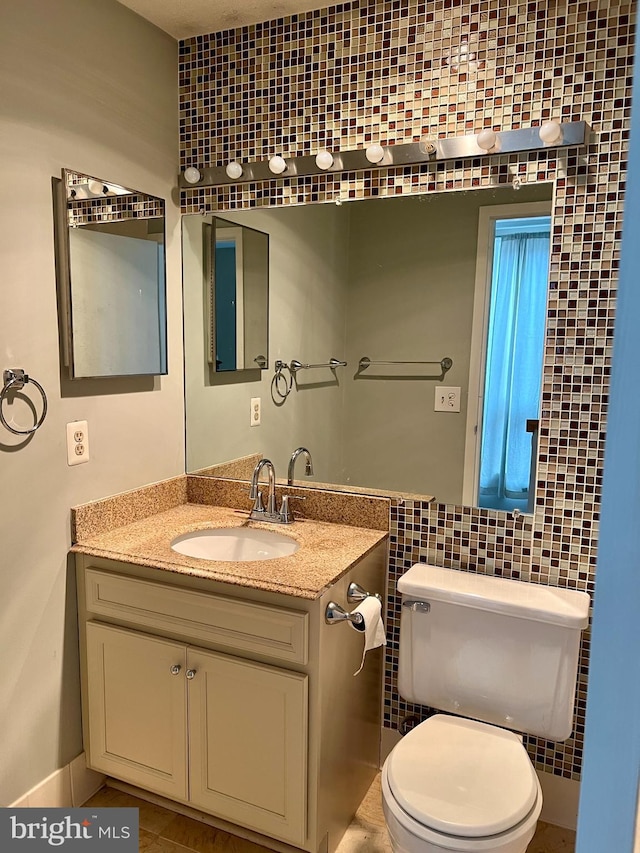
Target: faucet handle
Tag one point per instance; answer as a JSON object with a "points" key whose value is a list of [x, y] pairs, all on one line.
{"points": [[258, 502], [286, 514]]}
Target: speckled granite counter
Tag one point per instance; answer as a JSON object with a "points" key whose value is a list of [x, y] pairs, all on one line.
{"points": [[326, 550]]}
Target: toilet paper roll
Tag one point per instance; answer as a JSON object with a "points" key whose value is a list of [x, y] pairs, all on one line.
{"points": [[374, 636]]}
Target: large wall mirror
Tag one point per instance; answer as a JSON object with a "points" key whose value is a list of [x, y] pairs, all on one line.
{"points": [[405, 282], [111, 278]]}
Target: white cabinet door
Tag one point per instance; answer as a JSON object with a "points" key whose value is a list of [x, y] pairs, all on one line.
{"points": [[137, 708], [248, 743]]}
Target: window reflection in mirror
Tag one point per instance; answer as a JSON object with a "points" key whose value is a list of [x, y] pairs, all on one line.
{"points": [[509, 402], [111, 269], [239, 296]]}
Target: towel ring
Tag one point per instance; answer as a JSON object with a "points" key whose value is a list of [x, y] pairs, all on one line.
{"points": [[16, 378], [280, 384]]}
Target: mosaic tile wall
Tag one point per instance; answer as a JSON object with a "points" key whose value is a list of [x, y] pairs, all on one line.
{"points": [[392, 72]]}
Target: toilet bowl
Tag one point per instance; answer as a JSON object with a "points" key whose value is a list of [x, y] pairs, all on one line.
{"points": [[457, 785]]}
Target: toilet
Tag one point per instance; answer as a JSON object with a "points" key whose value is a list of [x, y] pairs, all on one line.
{"points": [[498, 657]]}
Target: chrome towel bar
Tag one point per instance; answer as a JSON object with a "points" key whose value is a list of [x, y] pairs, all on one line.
{"points": [[296, 365], [445, 363]]}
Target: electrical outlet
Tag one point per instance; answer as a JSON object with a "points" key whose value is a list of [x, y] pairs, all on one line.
{"points": [[447, 399], [77, 442], [255, 411]]}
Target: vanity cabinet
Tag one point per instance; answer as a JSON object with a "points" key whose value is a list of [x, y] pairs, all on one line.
{"points": [[228, 734], [238, 703]]}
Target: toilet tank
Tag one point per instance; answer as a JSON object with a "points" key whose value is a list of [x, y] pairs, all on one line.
{"points": [[501, 651]]}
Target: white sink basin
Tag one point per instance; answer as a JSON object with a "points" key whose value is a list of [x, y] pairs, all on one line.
{"points": [[234, 544]]}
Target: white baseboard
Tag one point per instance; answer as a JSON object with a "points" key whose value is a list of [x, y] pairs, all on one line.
{"points": [[70, 786]]}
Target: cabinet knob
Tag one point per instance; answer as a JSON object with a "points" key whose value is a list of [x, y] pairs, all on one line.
{"points": [[191, 673], [175, 669]]}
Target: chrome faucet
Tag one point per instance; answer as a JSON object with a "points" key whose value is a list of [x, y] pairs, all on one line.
{"points": [[258, 512], [308, 470]]}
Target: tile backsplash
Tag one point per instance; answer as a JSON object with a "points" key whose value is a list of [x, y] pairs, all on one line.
{"points": [[395, 71]]}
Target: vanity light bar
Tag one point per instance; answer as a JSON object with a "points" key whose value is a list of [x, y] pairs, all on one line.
{"points": [[568, 134]]}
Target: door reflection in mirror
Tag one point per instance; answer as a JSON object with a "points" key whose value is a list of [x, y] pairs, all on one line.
{"points": [[238, 296], [228, 299]]}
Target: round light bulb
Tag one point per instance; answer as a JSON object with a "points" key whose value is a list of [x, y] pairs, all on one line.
{"points": [[96, 187], [427, 146], [277, 165], [78, 192], [374, 153], [487, 139], [191, 175], [234, 170], [550, 132], [324, 159]]}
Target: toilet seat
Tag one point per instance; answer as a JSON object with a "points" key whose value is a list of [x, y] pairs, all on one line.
{"points": [[463, 778], [409, 836]]}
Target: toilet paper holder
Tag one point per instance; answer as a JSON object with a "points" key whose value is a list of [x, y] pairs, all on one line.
{"points": [[335, 613]]}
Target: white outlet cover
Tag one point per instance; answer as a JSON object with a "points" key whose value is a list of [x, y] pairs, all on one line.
{"points": [[447, 398], [77, 442], [256, 411]]}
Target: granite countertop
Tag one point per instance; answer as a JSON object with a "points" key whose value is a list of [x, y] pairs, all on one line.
{"points": [[326, 552]]}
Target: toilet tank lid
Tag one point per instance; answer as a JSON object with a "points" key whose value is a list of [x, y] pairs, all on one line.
{"points": [[556, 606]]}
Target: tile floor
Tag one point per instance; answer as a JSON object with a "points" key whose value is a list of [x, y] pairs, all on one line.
{"points": [[163, 831]]}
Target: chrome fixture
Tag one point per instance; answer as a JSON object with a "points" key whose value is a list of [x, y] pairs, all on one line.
{"points": [[255, 494], [334, 614], [356, 593], [271, 513], [417, 606], [296, 365], [281, 385], [308, 468], [445, 363], [14, 379], [376, 156]]}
